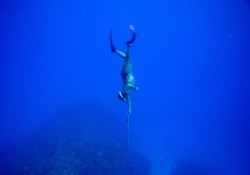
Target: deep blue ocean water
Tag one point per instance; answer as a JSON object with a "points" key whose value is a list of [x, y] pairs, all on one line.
{"points": [[191, 61]]}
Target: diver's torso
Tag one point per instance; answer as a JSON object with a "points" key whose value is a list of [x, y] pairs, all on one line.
{"points": [[128, 84]]}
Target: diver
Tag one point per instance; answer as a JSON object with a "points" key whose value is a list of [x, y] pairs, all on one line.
{"points": [[128, 84]]}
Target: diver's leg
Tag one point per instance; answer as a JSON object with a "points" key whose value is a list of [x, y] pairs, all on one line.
{"points": [[130, 42], [128, 52], [113, 49], [120, 53], [126, 68]]}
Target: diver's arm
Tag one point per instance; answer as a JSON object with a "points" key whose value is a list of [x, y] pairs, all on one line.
{"points": [[129, 105], [133, 87], [113, 49]]}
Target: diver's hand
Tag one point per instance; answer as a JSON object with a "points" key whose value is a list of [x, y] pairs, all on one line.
{"points": [[129, 112]]}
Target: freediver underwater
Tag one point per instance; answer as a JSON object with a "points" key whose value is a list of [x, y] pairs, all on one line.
{"points": [[128, 79]]}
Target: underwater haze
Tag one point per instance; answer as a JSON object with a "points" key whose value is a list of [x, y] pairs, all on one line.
{"points": [[59, 81]]}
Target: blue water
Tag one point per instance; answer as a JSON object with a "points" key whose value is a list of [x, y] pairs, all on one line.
{"points": [[190, 60]]}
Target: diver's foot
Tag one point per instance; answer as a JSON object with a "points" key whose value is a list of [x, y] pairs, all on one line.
{"points": [[132, 29], [112, 47]]}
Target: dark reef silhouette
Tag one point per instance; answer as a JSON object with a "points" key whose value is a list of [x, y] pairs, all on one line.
{"points": [[192, 167], [85, 139]]}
